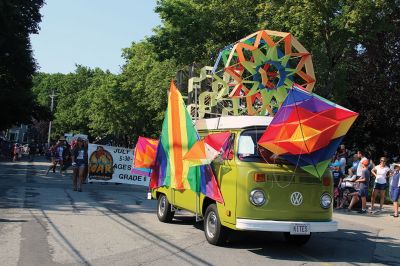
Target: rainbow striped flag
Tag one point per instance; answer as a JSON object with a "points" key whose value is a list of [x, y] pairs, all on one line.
{"points": [[177, 137]]}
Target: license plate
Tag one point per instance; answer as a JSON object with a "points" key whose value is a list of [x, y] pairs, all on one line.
{"points": [[300, 229]]}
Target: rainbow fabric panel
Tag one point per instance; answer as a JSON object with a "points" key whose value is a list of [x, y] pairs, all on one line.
{"points": [[145, 152], [206, 150], [177, 137]]}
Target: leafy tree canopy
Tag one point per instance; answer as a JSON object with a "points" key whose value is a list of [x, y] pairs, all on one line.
{"points": [[18, 19], [354, 43]]}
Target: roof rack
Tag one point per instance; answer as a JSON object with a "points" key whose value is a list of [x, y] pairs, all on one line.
{"points": [[232, 122]]}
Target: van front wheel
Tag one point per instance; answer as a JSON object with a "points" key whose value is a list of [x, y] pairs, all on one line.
{"points": [[297, 240], [164, 212], [214, 231]]}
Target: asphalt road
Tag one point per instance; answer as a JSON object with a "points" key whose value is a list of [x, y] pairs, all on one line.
{"points": [[44, 222]]}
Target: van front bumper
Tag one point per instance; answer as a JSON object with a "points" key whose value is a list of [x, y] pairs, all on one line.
{"points": [[284, 226]]}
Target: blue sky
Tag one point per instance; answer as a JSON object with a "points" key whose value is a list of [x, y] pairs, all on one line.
{"points": [[90, 32]]}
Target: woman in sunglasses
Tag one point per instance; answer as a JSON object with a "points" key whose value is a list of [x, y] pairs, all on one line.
{"points": [[380, 173]]}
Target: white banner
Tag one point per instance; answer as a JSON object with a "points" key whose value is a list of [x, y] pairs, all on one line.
{"points": [[113, 164]]}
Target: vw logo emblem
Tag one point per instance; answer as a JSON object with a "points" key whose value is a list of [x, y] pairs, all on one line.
{"points": [[296, 198]]}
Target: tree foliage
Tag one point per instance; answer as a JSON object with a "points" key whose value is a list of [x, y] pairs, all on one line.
{"points": [[195, 31], [18, 19], [100, 103], [354, 43]]}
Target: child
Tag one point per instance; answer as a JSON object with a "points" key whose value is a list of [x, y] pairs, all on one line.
{"points": [[363, 188], [337, 180]]}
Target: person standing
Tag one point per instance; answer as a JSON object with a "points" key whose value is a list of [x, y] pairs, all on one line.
{"points": [[395, 189], [380, 173], [15, 152], [32, 150], [59, 154], [62, 154], [362, 192], [51, 153], [362, 158], [354, 165], [79, 154], [337, 180], [342, 156]]}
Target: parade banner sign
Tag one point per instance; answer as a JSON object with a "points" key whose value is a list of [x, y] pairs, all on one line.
{"points": [[114, 165]]}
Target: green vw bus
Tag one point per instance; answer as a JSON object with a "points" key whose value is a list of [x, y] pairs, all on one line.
{"points": [[261, 192]]}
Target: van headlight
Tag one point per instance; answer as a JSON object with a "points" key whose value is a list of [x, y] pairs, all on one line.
{"points": [[326, 200], [257, 197]]}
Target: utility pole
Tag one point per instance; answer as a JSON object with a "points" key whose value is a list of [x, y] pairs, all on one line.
{"points": [[52, 96]]}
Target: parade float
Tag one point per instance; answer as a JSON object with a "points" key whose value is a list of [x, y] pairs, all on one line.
{"points": [[250, 150]]}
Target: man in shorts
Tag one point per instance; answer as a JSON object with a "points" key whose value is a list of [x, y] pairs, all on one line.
{"points": [[362, 191]]}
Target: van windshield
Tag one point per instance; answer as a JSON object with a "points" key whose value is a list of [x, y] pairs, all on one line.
{"points": [[250, 151]]}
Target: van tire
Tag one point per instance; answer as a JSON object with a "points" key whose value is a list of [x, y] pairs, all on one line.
{"points": [[297, 240], [164, 212], [215, 232]]}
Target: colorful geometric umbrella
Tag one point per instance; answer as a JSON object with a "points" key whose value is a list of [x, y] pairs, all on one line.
{"points": [[307, 130], [206, 150]]}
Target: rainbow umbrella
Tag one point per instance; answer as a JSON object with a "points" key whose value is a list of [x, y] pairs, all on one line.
{"points": [[307, 130]]}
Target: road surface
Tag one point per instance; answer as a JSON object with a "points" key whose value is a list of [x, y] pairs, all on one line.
{"points": [[44, 222]]}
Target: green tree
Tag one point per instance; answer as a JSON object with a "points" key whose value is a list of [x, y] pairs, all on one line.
{"points": [[18, 19], [354, 43], [146, 80], [68, 115], [195, 31], [375, 82], [355, 48]]}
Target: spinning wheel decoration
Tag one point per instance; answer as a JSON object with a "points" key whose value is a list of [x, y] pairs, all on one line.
{"points": [[263, 66]]}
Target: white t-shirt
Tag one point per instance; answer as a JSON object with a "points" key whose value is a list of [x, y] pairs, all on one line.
{"points": [[359, 167], [381, 173]]}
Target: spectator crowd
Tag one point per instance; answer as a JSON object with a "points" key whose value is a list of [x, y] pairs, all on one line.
{"points": [[358, 179]]}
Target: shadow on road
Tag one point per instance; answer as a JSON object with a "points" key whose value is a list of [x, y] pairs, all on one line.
{"points": [[12, 221], [322, 247]]}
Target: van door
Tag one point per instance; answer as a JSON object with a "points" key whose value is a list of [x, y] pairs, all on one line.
{"points": [[226, 175], [226, 172], [185, 199]]}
